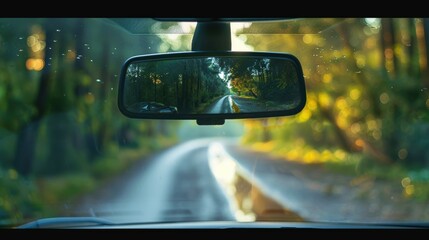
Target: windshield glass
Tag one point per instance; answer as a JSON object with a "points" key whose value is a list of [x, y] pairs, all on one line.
{"points": [[358, 151]]}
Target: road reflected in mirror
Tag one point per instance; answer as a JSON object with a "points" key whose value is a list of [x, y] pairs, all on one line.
{"points": [[213, 85]]}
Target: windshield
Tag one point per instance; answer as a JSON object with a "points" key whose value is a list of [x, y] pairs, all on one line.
{"points": [[357, 152]]}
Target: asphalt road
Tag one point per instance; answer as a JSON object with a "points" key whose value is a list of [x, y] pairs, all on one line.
{"points": [[176, 184], [221, 106], [235, 104]]}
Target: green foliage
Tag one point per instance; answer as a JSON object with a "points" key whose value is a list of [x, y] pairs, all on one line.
{"points": [[360, 97], [18, 198], [414, 181], [65, 188], [412, 144], [116, 161], [69, 100], [352, 166], [107, 167], [63, 155], [7, 142]]}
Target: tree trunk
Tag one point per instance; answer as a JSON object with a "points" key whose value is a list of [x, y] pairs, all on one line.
{"points": [[79, 89], [103, 130], [388, 44], [412, 67], [363, 81], [27, 138], [342, 137], [426, 45], [26, 147]]}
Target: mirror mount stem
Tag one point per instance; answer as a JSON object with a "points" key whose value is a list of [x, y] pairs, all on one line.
{"points": [[212, 36]]}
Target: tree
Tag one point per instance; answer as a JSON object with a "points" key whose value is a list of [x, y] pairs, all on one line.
{"points": [[361, 77], [26, 143]]}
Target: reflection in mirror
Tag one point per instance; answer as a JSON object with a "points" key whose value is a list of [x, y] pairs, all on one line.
{"points": [[212, 85]]}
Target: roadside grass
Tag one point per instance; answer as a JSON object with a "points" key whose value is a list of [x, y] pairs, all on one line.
{"points": [[18, 199], [414, 181]]}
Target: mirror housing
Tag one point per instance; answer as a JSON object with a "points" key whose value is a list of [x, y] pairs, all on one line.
{"points": [[210, 86]]}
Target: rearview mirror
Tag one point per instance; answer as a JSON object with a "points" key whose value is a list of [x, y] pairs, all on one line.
{"points": [[211, 85]]}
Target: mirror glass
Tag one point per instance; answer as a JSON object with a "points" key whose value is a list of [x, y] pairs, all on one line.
{"points": [[197, 85]]}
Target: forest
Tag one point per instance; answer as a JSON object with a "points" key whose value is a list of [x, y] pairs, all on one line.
{"points": [[185, 83], [266, 79], [61, 131]]}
